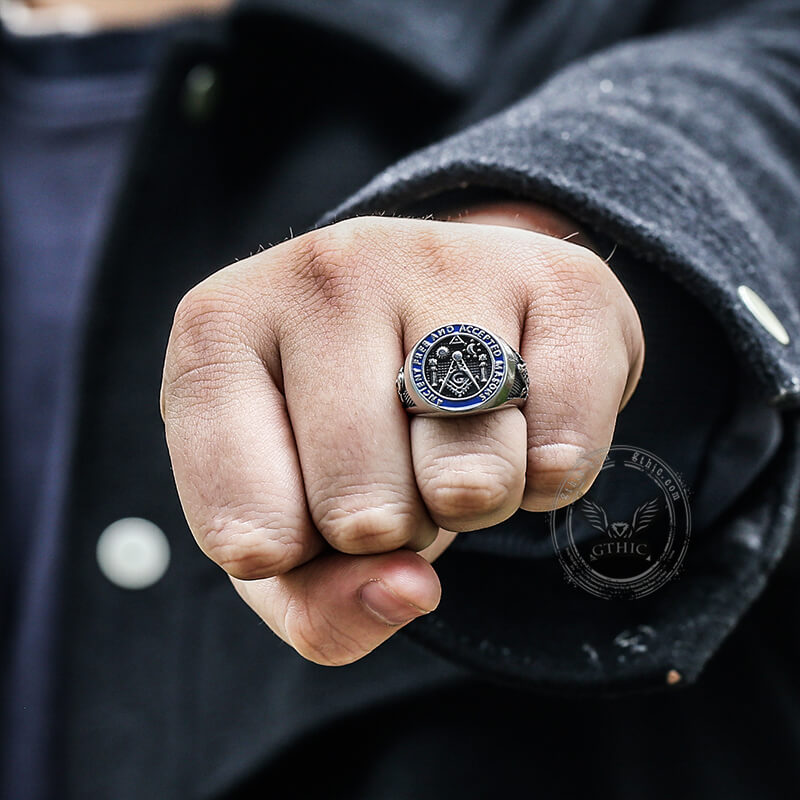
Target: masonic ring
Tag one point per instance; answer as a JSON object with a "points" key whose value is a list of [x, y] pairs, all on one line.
{"points": [[461, 369]]}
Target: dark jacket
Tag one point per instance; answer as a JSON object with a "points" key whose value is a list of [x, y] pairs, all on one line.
{"points": [[681, 145]]}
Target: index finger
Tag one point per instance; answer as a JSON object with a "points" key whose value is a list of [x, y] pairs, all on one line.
{"points": [[231, 444]]}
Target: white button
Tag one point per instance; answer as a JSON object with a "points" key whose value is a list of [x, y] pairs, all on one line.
{"points": [[133, 553], [763, 313]]}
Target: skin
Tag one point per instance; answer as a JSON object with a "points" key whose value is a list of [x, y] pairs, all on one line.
{"points": [[298, 470], [131, 13]]}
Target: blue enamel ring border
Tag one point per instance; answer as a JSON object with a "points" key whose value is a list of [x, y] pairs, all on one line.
{"points": [[416, 362]]}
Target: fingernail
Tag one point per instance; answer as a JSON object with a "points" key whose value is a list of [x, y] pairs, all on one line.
{"points": [[384, 604]]}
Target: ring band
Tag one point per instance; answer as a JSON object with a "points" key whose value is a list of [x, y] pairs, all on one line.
{"points": [[461, 369]]}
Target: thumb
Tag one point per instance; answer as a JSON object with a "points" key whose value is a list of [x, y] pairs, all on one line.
{"points": [[338, 607]]}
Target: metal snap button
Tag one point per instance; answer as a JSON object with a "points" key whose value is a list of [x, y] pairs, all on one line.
{"points": [[763, 314]]}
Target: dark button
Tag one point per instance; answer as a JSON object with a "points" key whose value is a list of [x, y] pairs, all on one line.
{"points": [[201, 92]]}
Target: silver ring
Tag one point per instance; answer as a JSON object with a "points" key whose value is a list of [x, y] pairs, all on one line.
{"points": [[461, 369]]}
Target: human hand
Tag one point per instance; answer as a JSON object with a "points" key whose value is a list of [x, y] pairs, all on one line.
{"points": [[297, 468]]}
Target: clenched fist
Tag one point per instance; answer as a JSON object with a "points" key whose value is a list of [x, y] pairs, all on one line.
{"points": [[300, 473]]}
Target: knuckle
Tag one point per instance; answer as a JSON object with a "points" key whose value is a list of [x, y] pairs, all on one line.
{"points": [[207, 325], [204, 308], [558, 473], [469, 489], [576, 281], [356, 527], [333, 268], [446, 251], [322, 270], [250, 564], [251, 548]]}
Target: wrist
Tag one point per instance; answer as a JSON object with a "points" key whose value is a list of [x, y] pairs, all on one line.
{"points": [[523, 214]]}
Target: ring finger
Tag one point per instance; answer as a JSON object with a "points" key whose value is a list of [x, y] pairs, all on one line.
{"points": [[470, 469]]}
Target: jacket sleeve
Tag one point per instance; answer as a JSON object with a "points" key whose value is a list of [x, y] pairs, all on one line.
{"points": [[682, 148]]}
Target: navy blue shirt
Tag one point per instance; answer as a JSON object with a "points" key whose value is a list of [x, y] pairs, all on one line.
{"points": [[68, 107]]}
